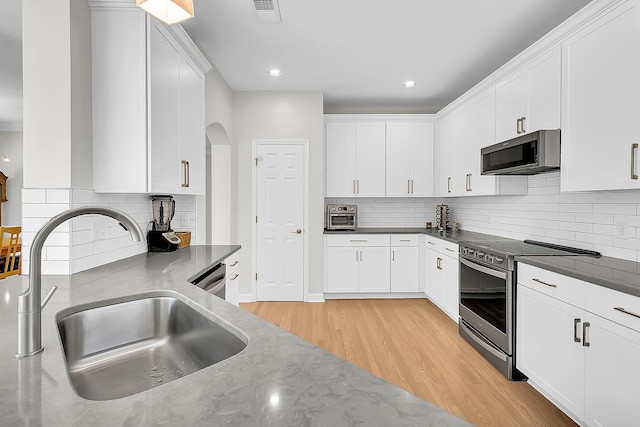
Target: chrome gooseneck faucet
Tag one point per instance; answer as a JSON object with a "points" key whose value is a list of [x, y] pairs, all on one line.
{"points": [[29, 305]]}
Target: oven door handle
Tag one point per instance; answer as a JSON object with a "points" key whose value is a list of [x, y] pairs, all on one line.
{"points": [[483, 344], [490, 271]]}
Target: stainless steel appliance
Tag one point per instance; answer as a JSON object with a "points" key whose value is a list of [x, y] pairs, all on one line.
{"points": [[161, 238], [213, 280], [341, 217], [528, 154], [488, 278]]}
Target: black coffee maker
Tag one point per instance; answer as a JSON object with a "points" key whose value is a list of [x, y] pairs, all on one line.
{"points": [[161, 238]]}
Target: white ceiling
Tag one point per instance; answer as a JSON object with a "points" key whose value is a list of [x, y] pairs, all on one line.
{"points": [[357, 52]]}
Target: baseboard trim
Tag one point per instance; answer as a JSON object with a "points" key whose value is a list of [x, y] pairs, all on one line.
{"points": [[394, 295], [246, 298], [315, 298]]}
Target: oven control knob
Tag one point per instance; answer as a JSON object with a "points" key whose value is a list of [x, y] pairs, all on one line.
{"points": [[491, 259], [499, 260], [470, 251], [479, 254]]}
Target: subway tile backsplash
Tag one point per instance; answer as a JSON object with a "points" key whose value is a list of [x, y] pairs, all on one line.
{"points": [[89, 241], [608, 221]]}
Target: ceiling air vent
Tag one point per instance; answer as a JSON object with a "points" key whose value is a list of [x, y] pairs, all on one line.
{"points": [[268, 11]]}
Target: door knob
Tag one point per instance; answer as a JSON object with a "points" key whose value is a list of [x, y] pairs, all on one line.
{"points": [[298, 231]]}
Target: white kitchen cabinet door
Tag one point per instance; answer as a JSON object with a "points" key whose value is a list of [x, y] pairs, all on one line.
{"points": [[433, 286], [370, 159], [341, 159], [192, 160], [409, 160], [511, 106], [374, 269], [450, 286], [530, 100], [545, 349], [405, 272], [164, 111], [342, 269], [445, 154], [601, 103], [612, 381]]}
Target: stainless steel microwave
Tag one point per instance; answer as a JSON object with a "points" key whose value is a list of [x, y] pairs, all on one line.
{"points": [[528, 154], [341, 217]]}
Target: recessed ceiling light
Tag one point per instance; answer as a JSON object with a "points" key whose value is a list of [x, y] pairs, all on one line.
{"points": [[274, 72], [409, 83]]}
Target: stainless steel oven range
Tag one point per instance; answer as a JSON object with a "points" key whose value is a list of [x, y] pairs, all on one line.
{"points": [[488, 278]]}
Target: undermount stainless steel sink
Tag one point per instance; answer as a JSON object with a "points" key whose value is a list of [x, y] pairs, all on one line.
{"points": [[116, 348]]}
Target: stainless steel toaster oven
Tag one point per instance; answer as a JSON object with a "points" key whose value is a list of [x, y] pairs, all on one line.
{"points": [[341, 217]]}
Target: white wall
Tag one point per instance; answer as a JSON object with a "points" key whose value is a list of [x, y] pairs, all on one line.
{"points": [[277, 115], [47, 93], [11, 145]]}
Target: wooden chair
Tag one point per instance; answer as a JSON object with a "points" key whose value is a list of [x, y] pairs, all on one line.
{"points": [[10, 251]]}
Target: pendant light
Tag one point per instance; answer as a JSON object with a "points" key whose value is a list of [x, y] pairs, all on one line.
{"points": [[168, 11]]}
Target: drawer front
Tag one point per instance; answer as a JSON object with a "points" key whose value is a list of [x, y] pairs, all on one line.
{"points": [[442, 246], [567, 289], [614, 305], [232, 262], [358, 240], [405, 240]]}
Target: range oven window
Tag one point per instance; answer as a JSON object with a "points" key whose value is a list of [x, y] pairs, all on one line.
{"points": [[485, 295]]}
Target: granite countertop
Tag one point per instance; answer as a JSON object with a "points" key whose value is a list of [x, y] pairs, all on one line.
{"points": [[450, 235], [277, 380], [614, 273]]}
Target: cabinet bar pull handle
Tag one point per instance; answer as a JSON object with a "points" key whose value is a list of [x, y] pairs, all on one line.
{"points": [[411, 186], [450, 250], [634, 148], [518, 125], [431, 243], [356, 256], [545, 283], [358, 240], [408, 186], [439, 263], [576, 322], [621, 309], [522, 119], [233, 264], [585, 343], [468, 182], [360, 255], [185, 173], [235, 276], [357, 186], [405, 240], [393, 255], [449, 185], [353, 186]]}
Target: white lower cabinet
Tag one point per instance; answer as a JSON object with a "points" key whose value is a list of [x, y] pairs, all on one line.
{"points": [[580, 360], [373, 264], [357, 263], [441, 275], [232, 290], [405, 263]]}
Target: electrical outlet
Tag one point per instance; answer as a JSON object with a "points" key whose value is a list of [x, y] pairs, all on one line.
{"points": [[621, 230]]}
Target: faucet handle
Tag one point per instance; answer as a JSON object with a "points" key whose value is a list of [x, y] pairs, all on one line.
{"points": [[48, 296]]}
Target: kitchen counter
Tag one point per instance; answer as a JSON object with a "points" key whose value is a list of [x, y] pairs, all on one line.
{"points": [[618, 274], [277, 380], [450, 235]]}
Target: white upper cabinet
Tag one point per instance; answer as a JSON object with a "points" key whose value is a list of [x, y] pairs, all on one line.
{"points": [[409, 159], [462, 134], [148, 104], [355, 156], [530, 99], [601, 103]]}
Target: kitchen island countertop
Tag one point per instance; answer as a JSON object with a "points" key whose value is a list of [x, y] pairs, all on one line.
{"points": [[454, 236], [277, 380]]}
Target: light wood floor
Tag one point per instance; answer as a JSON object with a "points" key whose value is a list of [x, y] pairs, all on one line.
{"points": [[412, 344]]}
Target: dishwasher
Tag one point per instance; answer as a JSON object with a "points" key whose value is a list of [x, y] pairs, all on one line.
{"points": [[213, 280]]}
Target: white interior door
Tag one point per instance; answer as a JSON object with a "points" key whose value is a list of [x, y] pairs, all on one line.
{"points": [[280, 224]]}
